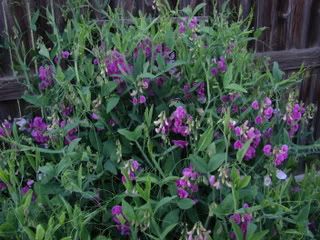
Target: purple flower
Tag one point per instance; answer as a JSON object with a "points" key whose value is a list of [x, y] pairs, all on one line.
{"points": [[267, 101], [193, 23], [94, 116], [236, 218], [222, 65], [267, 150], [116, 210], [96, 61], [65, 54], [38, 130], [258, 120], [122, 224], [3, 186], [238, 131], [214, 71], [67, 111], [237, 145], [180, 143], [182, 27], [268, 112], [255, 105], [212, 180], [46, 77], [182, 193], [135, 101], [142, 99]]}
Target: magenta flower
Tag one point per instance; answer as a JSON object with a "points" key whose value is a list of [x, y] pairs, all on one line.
{"points": [[237, 144], [214, 71], [187, 184], [193, 23], [142, 99], [222, 65], [116, 210], [255, 105], [65, 54], [180, 143], [46, 77], [258, 120], [182, 27], [122, 224], [267, 150]]}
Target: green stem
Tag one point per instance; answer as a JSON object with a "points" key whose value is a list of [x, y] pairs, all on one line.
{"points": [[156, 164], [235, 202]]}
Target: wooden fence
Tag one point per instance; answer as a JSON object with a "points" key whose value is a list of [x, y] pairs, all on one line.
{"points": [[292, 37]]}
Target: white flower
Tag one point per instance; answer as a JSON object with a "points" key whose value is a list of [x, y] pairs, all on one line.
{"points": [[281, 174], [267, 181]]}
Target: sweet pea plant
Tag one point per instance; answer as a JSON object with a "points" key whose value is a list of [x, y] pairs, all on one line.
{"points": [[164, 128]]}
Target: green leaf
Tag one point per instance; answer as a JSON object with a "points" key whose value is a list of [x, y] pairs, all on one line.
{"points": [[34, 20], [236, 87], [36, 100], [185, 203], [128, 211], [242, 152], [167, 230], [110, 167], [40, 232], [131, 136], [199, 163], [163, 202], [198, 8], [236, 229], [211, 149], [276, 72], [244, 182], [44, 51], [260, 235], [216, 161], [205, 139], [108, 88], [112, 103]]}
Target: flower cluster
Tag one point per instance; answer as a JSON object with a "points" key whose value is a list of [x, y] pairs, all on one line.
{"points": [[179, 120], [229, 100], [293, 116], [245, 133], [116, 64], [220, 66], [145, 46], [39, 130], [122, 224], [200, 91], [187, 184], [193, 24], [266, 110], [242, 220], [5, 129], [130, 170], [46, 77], [279, 154]]}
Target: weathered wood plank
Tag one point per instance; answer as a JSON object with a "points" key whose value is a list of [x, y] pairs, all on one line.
{"points": [[292, 59], [11, 88]]}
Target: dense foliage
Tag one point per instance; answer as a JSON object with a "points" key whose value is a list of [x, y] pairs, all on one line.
{"points": [[163, 128]]}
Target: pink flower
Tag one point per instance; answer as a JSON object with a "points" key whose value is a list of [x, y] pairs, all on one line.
{"points": [[255, 105]]}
